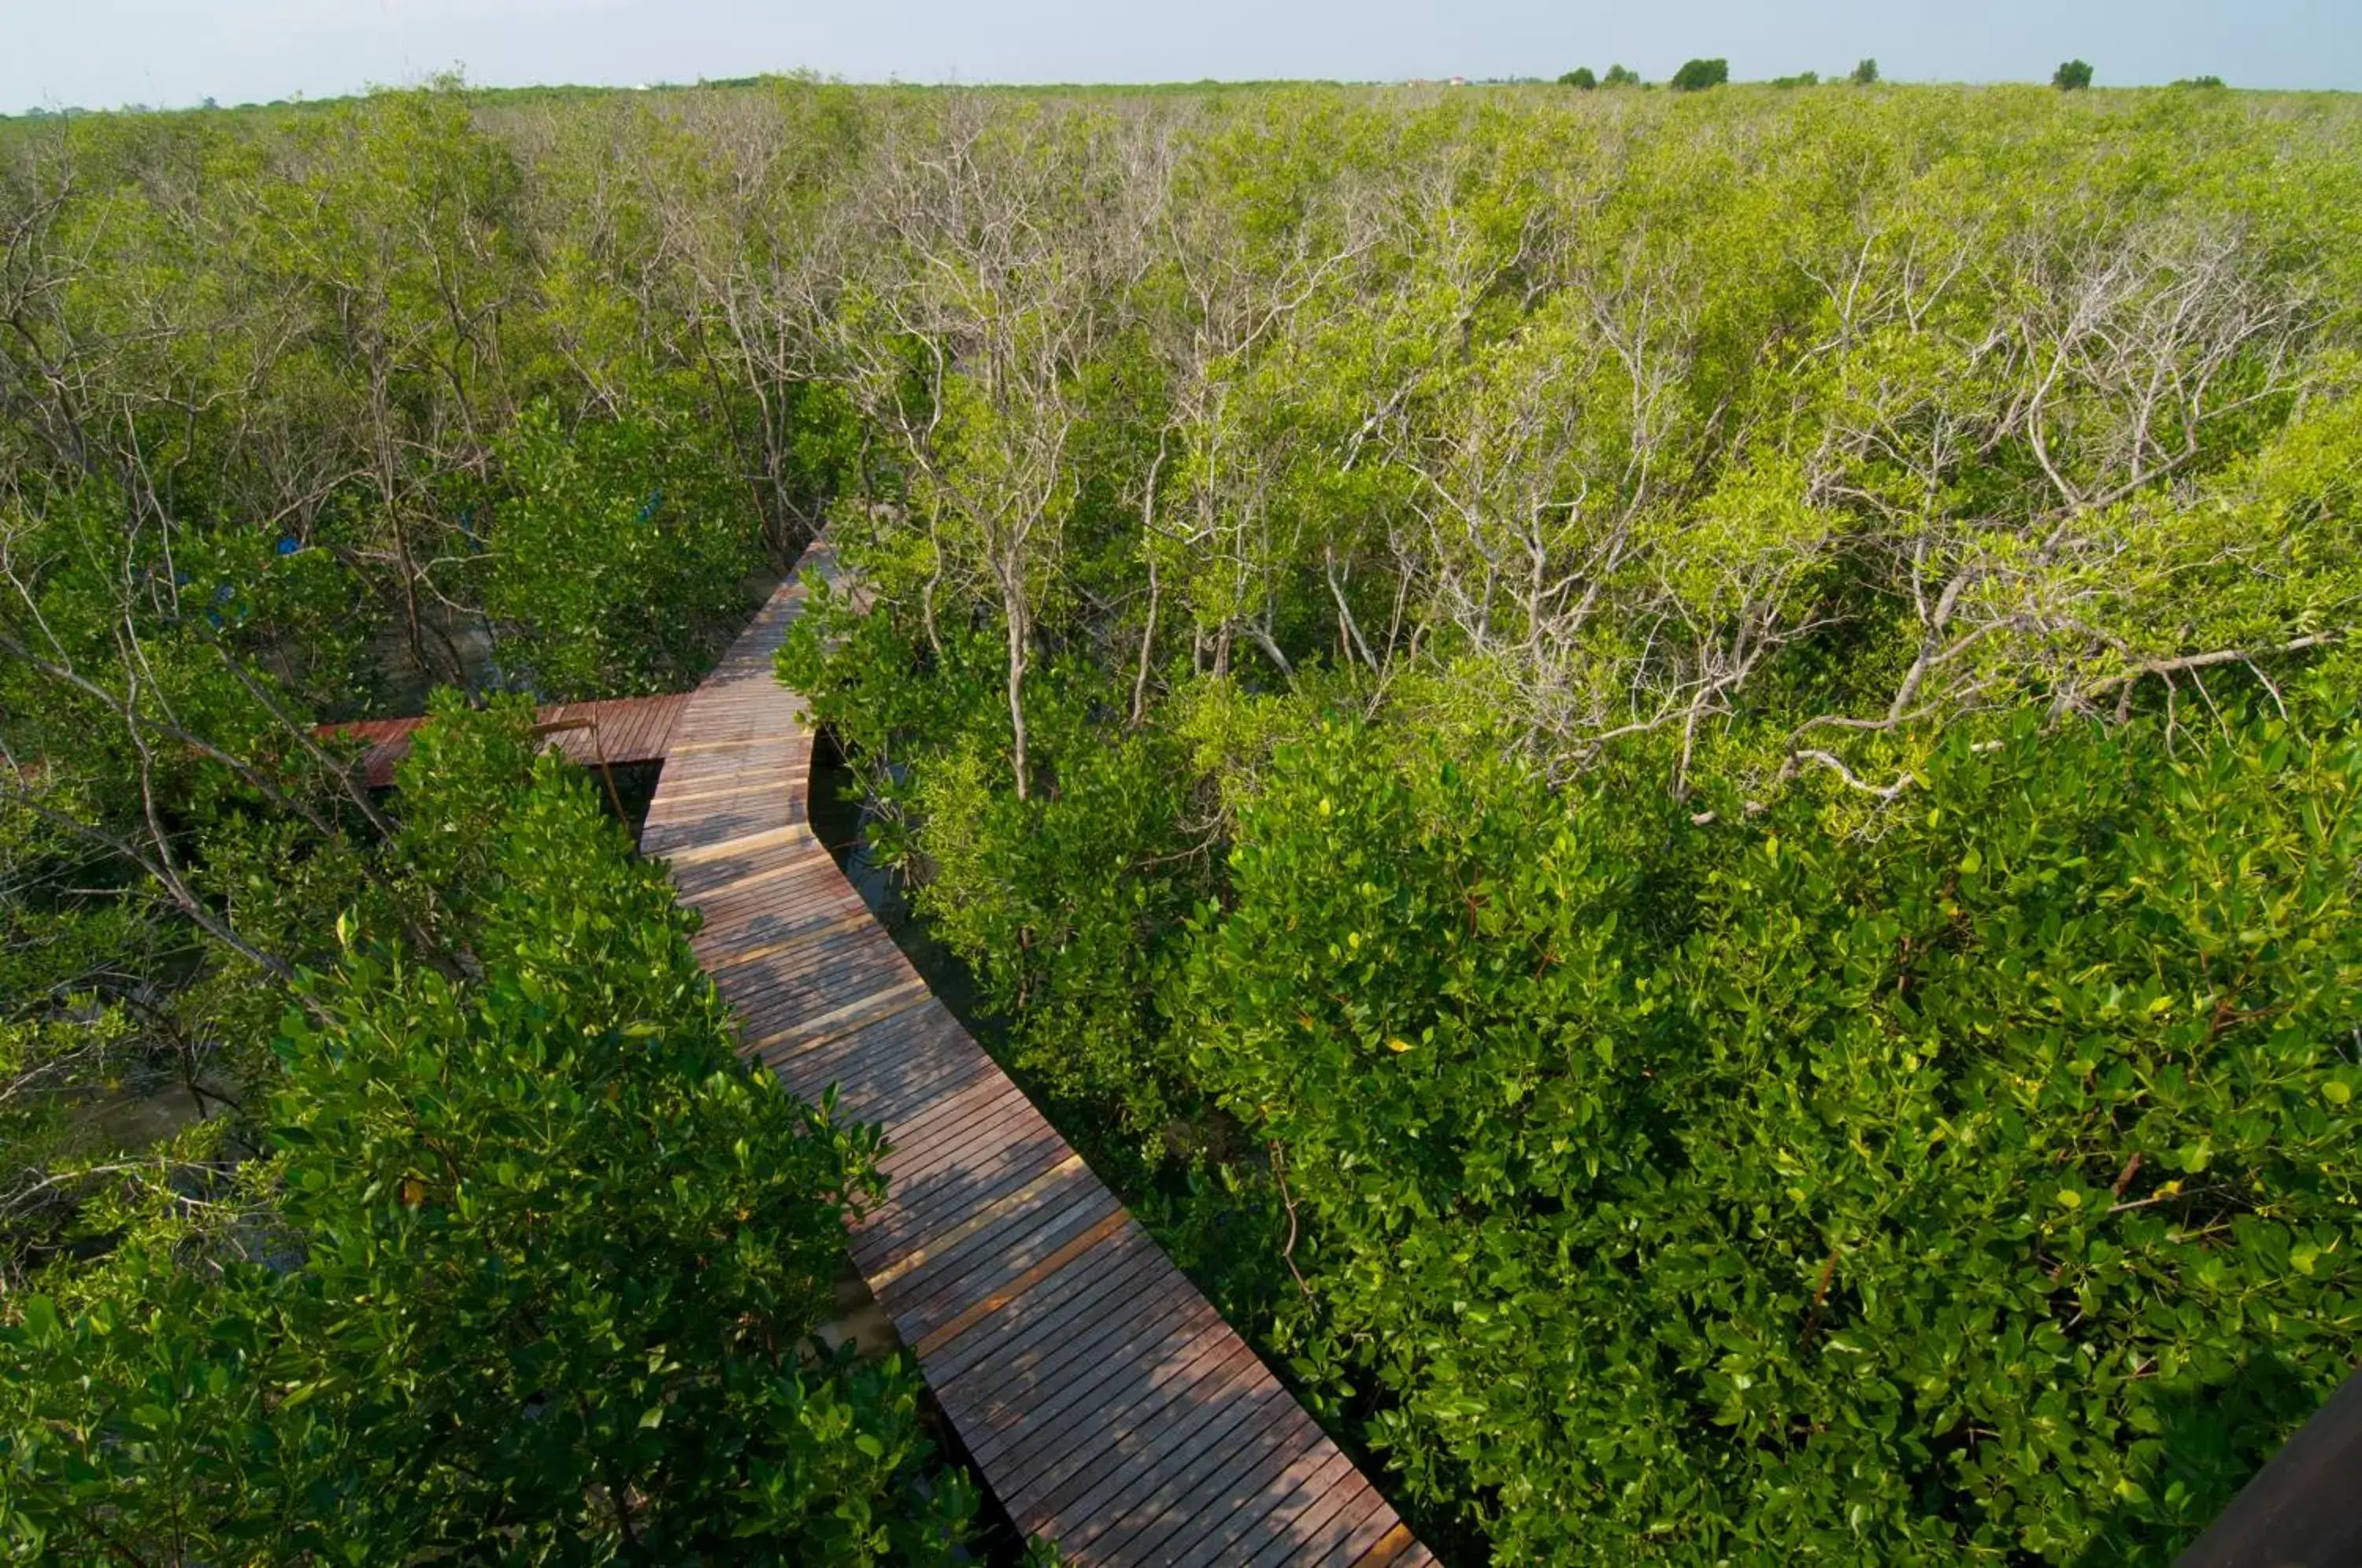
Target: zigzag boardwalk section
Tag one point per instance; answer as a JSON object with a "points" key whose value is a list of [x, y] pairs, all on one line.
{"points": [[1106, 1403], [617, 731]]}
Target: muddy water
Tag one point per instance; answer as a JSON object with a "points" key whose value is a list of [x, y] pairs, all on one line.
{"points": [[147, 1110]]}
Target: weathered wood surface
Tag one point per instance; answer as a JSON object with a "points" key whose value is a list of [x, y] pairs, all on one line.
{"points": [[617, 731], [1106, 1403]]}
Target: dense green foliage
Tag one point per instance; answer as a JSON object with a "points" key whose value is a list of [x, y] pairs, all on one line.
{"points": [[530, 1259], [1670, 776], [618, 559], [1697, 74], [1682, 799], [299, 415], [2071, 77], [1983, 1185]]}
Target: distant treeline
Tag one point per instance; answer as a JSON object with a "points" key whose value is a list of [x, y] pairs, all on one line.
{"points": [[1864, 73]]}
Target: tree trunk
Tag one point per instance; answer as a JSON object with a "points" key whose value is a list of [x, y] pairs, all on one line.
{"points": [[1016, 696], [1147, 647]]}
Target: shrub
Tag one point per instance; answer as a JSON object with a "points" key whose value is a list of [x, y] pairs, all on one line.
{"points": [[535, 1261], [1761, 1193], [1620, 76], [1696, 75], [618, 558], [1865, 73], [2071, 77], [1579, 77]]}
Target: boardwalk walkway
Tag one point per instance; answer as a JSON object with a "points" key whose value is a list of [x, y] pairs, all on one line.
{"points": [[1105, 1402], [615, 732]]}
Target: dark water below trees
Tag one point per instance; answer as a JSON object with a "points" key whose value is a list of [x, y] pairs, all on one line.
{"points": [[840, 810]]}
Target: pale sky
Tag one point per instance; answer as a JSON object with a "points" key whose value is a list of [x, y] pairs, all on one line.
{"points": [[108, 54]]}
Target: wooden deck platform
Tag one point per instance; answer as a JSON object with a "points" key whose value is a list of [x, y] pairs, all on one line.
{"points": [[1105, 1402], [617, 731]]}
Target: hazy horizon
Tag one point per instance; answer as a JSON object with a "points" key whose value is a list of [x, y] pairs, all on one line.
{"points": [[115, 53]]}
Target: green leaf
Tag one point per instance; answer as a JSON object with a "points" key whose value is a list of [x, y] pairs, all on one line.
{"points": [[41, 1316]]}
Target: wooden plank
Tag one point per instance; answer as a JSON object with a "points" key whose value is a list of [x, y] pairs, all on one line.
{"points": [[1226, 1437], [738, 929], [965, 1131], [1169, 1443], [715, 892], [1191, 1363], [811, 1033], [1049, 1313], [862, 972], [890, 1067], [859, 1087], [1220, 1516], [1062, 1389], [975, 1266], [771, 934], [1018, 1326], [621, 731], [1117, 1316], [980, 1267], [956, 1213], [837, 967], [1241, 1435], [990, 1110], [1153, 1427], [797, 1013], [1324, 1520], [992, 1176], [1073, 1377], [982, 1175], [946, 1241], [1377, 1526], [945, 1334], [1003, 1140], [1124, 1310], [867, 1073], [937, 1127], [1393, 1546], [757, 939], [726, 931], [783, 837]]}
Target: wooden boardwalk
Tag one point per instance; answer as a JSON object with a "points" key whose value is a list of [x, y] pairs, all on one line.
{"points": [[617, 731], [1106, 1403]]}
